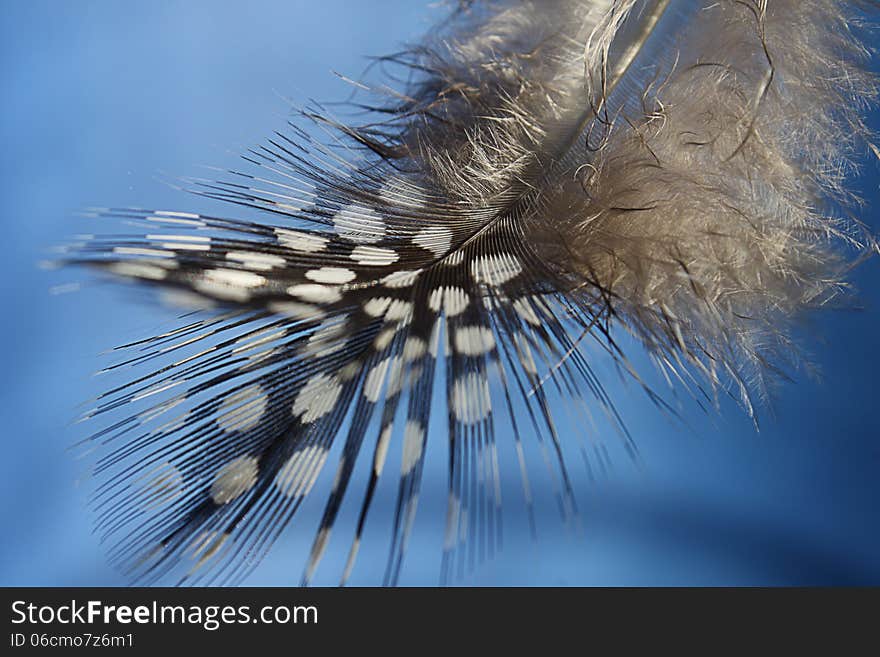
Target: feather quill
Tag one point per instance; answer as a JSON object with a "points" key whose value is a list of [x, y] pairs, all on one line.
{"points": [[550, 171]]}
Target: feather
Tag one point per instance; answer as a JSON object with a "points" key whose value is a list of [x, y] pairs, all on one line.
{"points": [[548, 172]]}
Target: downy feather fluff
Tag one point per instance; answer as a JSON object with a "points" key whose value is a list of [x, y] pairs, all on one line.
{"points": [[546, 172]]}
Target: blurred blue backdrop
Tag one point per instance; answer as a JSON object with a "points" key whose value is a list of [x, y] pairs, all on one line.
{"points": [[104, 100]]}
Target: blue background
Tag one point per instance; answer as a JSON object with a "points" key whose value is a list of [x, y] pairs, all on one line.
{"points": [[104, 101]]}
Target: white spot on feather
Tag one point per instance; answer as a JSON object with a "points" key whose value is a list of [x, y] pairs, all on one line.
{"points": [[495, 269], [454, 259], [382, 450], [350, 371], [235, 277], [374, 256], [164, 484], [138, 270], [300, 241], [141, 251], [296, 310], [401, 279], [175, 213], [314, 293], [297, 476], [384, 338], [398, 311], [452, 300], [435, 337], [471, 402], [374, 380], [206, 546], [183, 242], [474, 340], [316, 398], [230, 284], [413, 349], [179, 238], [242, 410], [180, 218], [234, 479], [331, 275], [395, 377], [377, 306], [327, 339], [253, 340], [436, 239], [359, 224], [255, 260], [413, 437]]}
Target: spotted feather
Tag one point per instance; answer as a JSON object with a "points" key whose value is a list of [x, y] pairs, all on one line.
{"points": [[550, 173]]}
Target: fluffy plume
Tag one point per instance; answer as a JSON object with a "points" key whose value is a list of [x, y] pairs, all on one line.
{"points": [[551, 170]]}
